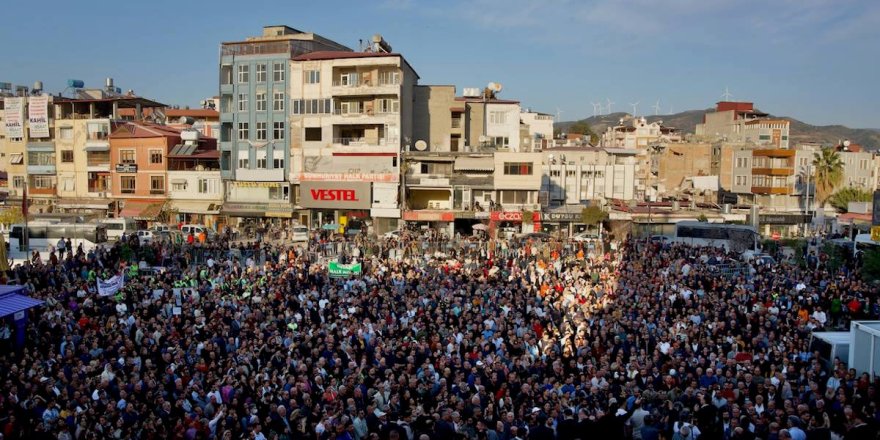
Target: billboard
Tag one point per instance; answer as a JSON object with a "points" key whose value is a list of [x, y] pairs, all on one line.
{"points": [[14, 115], [335, 195], [38, 116]]}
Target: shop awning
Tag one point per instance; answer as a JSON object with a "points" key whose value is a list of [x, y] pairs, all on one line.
{"points": [[84, 204], [235, 209], [12, 300], [141, 210], [474, 164], [195, 207]]}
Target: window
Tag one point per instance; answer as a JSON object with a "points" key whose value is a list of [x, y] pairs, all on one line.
{"points": [[278, 101], [741, 180], [126, 156], [517, 168], [389, 78], [243, 74], [518, 197], [43, 182], [261, 131], [764, 137], [65, 133], [157, 184], [178, 186], [313, 134], [863, 164], [243, 133], [242, 102], [243, 159], [313, 76], [279, 193], [261, 73], [16, 158], [18, 182], [66, 156], [261, 101], [127, 183], [156, 156], [261, 160], [278, 159], [389, 106], [311, 106], [348, 79], [203, 186], [278, 130], [278, 72], [502, 141], [41, 158], [67, 184], [497, 117]]}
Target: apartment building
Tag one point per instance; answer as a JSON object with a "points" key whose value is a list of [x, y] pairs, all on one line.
{"points": [[195, 189], [61, 148], [740, 122], [255, 110], [351, 116], [538, 128], [139, 176]]}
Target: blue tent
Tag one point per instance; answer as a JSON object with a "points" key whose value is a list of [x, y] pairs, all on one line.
{"points": [[12, 301]]}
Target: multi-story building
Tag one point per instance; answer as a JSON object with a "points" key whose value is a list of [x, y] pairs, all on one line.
{"points": [[351, 116], [61, 148], [859, 166], [139, 175], [539, 129], [255, 110], [195, 189], [740, 122]]}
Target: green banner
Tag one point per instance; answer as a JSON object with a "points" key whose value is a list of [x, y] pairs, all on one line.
{"points": [[343, 270]]}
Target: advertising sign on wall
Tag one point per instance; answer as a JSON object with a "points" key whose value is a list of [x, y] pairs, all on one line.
{"points": [[38, 116], [335, 195]]}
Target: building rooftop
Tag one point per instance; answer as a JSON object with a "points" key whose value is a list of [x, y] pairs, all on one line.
{"points": [[143, 130]]}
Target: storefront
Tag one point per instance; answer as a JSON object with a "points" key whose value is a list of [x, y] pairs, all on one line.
{"points": [[332, 202], [196, 212], [512, 222], [566, 223], [443, 221], [781, 225], [247, 213]]}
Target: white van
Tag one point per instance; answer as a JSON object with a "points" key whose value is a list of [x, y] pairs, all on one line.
{"points": [[118, 226], [299, 233], [196, 230]]}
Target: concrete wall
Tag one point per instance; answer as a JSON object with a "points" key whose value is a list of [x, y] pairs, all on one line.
{"points": [[683, 160], [432, 117]]}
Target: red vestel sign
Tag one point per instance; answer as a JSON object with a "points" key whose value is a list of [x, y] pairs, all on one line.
{"points": [[329, 195], [512, 216]]}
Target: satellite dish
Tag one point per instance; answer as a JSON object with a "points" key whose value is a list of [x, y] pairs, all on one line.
{"points": [[421, 145], [484, 138], [495, 87], [846, 143]]}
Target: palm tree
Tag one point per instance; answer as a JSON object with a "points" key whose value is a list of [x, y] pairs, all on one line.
{"points": [[828, 172]]}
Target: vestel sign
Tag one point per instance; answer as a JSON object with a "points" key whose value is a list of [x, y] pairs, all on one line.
{"points": [[336, 195]]}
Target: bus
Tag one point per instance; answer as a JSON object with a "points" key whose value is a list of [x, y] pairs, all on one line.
{"points": [[42, 235], [737, 238], [116, 227]]}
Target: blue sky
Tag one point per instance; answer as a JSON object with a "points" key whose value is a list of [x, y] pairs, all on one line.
{"points": [[816, 60]]}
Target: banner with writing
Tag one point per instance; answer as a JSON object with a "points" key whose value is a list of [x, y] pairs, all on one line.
{"points": [[14, 115], [338, 270], [38, 116], [111, 286]]}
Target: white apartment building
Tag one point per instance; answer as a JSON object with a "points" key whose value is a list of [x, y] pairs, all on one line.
{"points": [[638, 133], [350, 117], [540, 130], [740, 122]]}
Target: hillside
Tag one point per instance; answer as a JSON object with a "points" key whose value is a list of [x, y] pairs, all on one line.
{"points": [[800, 131]]}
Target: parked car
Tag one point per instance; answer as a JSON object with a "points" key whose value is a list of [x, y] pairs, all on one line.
{"points": [[160, 227], [299, 233], [196, 230], [391, 235], [584, 236]]}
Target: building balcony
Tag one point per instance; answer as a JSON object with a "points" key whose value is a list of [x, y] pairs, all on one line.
{"points": [[41, 169], [33, 191], [358, 144], [363, 117], [773, 171], [774, 152], [771, 190], [364, 88]]}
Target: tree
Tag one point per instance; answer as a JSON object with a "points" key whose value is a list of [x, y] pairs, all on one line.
{"points": [[702, 218], [828, 172], [11, 216], [840, 200], [581, 127], [593, 215]]}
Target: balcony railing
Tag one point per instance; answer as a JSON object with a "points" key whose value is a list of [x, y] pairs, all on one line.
{"points": [[97, 136], [783, 190], [773, 171], [359, 141], [339, 111]]}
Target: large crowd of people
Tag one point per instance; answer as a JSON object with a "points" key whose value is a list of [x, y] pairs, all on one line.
{"points": [[495, 340]]}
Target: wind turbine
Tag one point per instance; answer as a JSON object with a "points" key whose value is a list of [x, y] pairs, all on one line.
{"points": [[558, 114], [610, 103], [726, 95], [597, 108], [657, 108], [635, 106]]}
